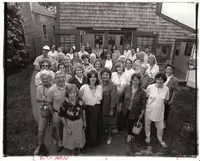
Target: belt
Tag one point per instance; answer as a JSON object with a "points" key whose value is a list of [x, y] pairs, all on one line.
{"points": [[55, 110]]}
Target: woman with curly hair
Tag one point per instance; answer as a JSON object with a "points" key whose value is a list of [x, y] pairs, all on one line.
{"points": [[132, 104], [109, 102], [73, 117], [79, 78]]}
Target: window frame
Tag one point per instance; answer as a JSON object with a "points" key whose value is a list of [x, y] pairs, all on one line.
{"points": [[66, 46], [153, 46], [45, 38], [163, 45]]}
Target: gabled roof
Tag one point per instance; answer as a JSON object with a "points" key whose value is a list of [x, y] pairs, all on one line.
{"points": [[36, 7], [167, 18]]}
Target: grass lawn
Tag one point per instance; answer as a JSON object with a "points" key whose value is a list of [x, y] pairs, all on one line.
{"points": [[20, 125]]}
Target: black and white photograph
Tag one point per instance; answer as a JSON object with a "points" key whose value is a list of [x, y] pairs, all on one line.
{"points": [[100, 78]]}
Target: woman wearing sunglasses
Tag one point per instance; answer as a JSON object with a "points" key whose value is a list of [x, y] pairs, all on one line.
{"points": [[45, 64]]}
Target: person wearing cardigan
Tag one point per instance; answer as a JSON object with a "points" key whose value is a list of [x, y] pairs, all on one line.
{"points": [[132, 105], [172, 84], [109, 103], [79, 79]]}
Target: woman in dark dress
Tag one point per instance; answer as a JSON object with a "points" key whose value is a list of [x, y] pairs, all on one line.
{"points": [[109, 102], [79, 79]]}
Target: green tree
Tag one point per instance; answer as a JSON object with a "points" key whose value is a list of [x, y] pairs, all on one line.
{"points": [[16, 56]]}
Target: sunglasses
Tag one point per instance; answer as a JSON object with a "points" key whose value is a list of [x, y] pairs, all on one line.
{"points": [[45, 65]]}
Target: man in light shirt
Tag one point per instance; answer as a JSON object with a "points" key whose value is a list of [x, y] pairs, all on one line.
{"points": [[82, 52], [45, 51], [127, 51]]}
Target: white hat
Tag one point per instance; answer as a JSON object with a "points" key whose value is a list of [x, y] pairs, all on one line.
{"points": [[92, 55], [46, 47]]}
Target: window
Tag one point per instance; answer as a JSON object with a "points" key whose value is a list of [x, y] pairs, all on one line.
{"points": [[44, 31], [143, 41], [111, 39], [188, 49], [66, 42], [26, 39], [163, 51], [53, 30], [99, 39], [121, 40], [177, 48]]}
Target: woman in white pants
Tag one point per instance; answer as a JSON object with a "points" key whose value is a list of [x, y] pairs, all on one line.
{"points": [[157, 94]]}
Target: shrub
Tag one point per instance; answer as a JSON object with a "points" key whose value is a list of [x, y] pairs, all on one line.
{"points": [[16, 56]]}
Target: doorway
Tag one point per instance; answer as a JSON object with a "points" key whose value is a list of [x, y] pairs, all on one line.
{"points": [[183, 50]]}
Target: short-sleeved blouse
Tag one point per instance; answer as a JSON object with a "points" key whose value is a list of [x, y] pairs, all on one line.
{"points": [[155, 103], [90, 96]]}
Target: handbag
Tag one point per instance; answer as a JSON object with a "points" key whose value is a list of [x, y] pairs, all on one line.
{"points": [[137, 127], [44, 111]]}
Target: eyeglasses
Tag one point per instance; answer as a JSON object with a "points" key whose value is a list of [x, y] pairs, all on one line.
{"points": [[45, 65]]}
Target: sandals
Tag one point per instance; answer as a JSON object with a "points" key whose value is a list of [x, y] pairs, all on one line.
{"points": [[164, 145], [129, 137], [147, 140], [109, 140], [37, 150]]}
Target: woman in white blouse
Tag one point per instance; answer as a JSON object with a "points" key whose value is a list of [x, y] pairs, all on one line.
{"points": [[71, 53], [91, 94], [157, 95], [119, 78], [108, 62], [153, 68], [128, 69]]}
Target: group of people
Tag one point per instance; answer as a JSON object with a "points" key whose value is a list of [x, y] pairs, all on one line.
{"points": [[85, 94]]}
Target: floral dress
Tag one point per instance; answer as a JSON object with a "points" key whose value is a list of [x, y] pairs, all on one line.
{"points": [[73, 114]]}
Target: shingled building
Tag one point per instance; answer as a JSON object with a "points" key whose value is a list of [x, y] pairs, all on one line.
{"points": [[137, 24]]}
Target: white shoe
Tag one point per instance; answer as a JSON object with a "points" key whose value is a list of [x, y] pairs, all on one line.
{"points": [[109, 140], [164, 145], [37, 150], [129, 137], [147, 140]]}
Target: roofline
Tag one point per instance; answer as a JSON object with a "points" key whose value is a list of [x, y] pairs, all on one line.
{"points": [[53, 16], [167, 18]]}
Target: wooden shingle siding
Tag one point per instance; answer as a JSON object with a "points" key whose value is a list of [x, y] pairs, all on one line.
{"points": [[104, 14], [120, 15]]}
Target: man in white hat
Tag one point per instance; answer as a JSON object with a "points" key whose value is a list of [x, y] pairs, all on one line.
{"points": [[45, 51]]}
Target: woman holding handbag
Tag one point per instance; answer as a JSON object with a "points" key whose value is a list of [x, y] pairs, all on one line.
{"points": [[41, 98], [109, 102], [132, 104]]}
